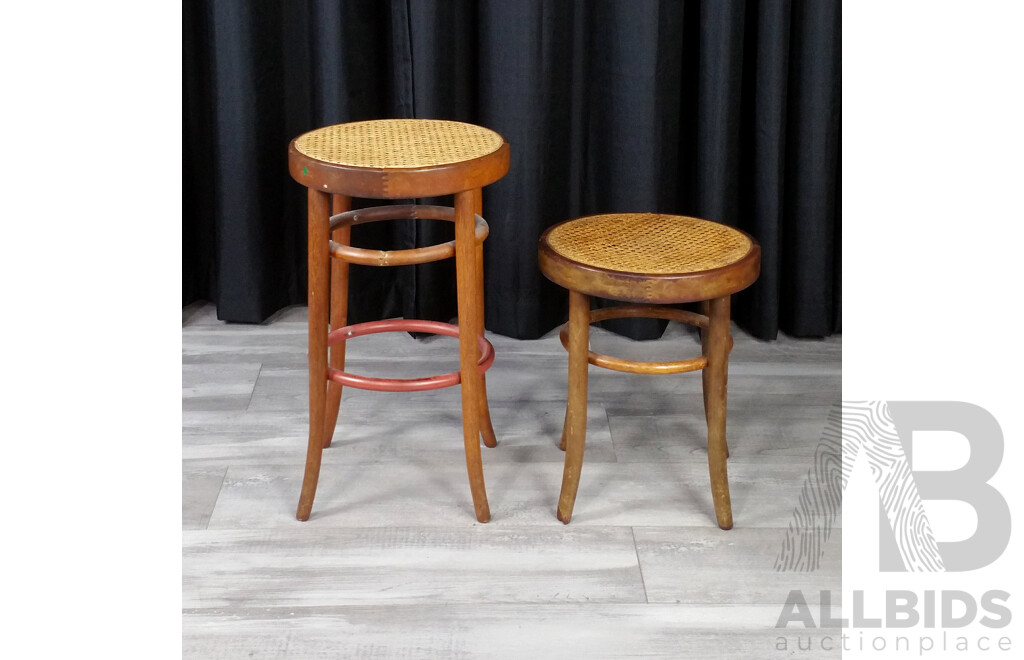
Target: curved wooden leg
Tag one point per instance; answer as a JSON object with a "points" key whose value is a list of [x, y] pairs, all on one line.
{"points": [[705, 310], [574, 434], [470, 327], [486, 428], [565, 422], [319, 292], [717, 347], [339, 316]]}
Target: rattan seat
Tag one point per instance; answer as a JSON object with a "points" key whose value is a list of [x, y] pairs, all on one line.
{"points": [[654, 260], [649, 257], [395, 159], [398, 158]]}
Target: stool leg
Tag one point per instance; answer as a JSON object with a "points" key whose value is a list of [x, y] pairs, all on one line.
{"points": [[717, 351], [486, 428], [339, 316], [319, 292], [574, 434], [468, 282], [565, 424], [705, 310]]}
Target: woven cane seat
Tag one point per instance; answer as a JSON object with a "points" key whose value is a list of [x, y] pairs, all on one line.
{"points": [[398, 158], [649, 257]]}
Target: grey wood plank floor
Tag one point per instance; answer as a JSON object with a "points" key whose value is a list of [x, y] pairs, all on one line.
{"points": [[393, 564]]}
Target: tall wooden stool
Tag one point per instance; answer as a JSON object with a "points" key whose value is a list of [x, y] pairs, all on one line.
{"points": [[649, 259], [395, 159]]}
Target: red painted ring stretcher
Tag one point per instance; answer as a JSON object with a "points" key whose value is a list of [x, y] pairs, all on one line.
{"points": [[403, 384]]}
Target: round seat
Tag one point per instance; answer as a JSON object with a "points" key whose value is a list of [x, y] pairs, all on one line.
{"points": [[398, 158], [649, 257]]}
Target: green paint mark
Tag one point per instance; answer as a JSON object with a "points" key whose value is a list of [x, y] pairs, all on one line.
{"points": [[305, 170]]}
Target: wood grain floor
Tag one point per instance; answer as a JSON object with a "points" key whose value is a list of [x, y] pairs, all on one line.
{"points": [[392, 563]]}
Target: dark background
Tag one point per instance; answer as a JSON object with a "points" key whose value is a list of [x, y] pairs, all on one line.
{"points": [[720, 109]]}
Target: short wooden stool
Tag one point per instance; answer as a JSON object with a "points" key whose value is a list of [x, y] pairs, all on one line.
{"points": [[649, 259], [395, 159]]}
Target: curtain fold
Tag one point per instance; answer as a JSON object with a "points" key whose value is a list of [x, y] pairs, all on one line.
{"points": [[767, 46], [724, 109]]}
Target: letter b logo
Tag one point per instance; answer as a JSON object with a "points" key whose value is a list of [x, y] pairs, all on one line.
{"points": [[968, 483]]}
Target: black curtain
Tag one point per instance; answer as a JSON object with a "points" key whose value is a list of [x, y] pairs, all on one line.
{"points": [[726, 110]]}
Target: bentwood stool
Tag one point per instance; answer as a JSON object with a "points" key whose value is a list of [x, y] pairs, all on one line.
{"points": [[648, 259], [395, 159]]}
